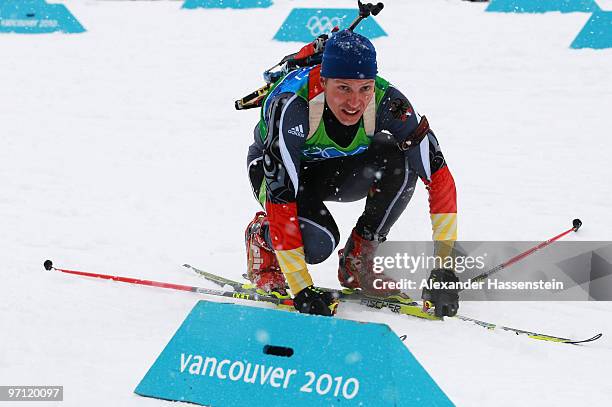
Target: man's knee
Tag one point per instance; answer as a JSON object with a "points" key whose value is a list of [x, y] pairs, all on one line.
{"points": [[319, 241]]}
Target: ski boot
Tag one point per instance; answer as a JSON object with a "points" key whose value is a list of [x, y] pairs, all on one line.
{"points": [[356, 268], [262, 266]]}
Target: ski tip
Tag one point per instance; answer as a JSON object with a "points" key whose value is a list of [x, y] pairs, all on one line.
{"points": [[593, 338], [48, 265], [187, 265], [576, 223]]}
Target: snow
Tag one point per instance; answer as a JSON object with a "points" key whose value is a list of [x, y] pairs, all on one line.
{"points": [[122, 154]]}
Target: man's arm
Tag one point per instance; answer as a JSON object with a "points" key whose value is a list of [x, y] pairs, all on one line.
{"points": [[425, 157], [397, 116], [287, 123], [442, 196]]}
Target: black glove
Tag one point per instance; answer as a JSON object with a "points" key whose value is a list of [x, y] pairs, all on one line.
{"points": [[312, 300], [445, 300]]}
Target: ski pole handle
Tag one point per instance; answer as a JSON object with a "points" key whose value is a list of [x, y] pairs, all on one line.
{"points": [[365, 10]]}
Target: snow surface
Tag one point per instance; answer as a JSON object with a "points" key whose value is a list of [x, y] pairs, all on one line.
{"points": [[122, 154]]}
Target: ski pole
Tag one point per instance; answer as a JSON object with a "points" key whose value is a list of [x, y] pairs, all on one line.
{"points": [[48, 264], [308, 55], [576, 223], [365, 10]]}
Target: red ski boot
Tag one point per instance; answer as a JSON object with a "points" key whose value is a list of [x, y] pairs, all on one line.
{"points": [[356, 268], [262, 266]]}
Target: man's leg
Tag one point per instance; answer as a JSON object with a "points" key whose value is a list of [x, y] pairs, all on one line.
{"points": [[384, 177], [391, 190], [381, 174], [319, 230], [263, 269]]}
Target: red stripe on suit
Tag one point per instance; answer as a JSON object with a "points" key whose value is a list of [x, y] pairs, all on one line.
{"points": [[284, 226], [314, 82], [442, 192]]}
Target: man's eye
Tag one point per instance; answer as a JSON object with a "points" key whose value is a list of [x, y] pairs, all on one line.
{"points": [[344, 88], [366, 88]]}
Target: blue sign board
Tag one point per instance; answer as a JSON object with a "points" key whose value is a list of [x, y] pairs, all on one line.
{"points": [[36, 17], [597, 32], [190, 4], [541, 6], [226, 355], [305, 24]]}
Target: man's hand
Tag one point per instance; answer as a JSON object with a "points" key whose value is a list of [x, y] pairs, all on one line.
{"points": [[444, 299]]}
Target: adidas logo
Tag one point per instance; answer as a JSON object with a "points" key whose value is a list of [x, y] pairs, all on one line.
{"points": [[296, 131]]}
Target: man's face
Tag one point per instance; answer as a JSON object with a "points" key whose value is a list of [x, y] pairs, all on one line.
{"points": [[348, 98]]}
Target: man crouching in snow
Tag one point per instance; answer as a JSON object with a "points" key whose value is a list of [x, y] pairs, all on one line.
{"points": [[339, 132]]}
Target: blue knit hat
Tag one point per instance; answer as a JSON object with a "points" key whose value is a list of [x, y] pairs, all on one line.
{"points": [[349, 55]]}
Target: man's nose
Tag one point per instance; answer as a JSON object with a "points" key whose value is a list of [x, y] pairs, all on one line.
{"points": [[353, 100]]}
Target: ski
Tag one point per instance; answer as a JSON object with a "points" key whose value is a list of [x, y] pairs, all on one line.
{"points": [[396, 305], [345, 293], [533, 335]]}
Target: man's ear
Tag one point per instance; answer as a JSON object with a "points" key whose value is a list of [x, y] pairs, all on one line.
{"points": [[323, 82]]}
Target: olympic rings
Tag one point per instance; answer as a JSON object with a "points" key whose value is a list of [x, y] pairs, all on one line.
{"points": [[321, 25]]}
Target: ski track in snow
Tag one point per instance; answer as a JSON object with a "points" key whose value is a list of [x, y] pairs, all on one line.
{"points": [[122, 154]]}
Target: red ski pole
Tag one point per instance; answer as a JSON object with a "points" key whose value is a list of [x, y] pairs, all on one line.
{"points": [[575, 226], [48, 264]]}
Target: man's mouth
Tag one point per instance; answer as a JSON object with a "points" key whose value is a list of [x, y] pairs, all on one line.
{"points": [[350, 112]]}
